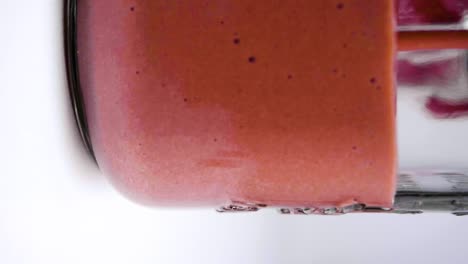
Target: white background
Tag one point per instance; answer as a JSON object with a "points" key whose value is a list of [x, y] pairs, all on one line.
{"points": [[55, 206]]}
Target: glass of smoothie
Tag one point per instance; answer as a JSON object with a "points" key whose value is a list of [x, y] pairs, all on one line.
{"points": [[320, 107]]}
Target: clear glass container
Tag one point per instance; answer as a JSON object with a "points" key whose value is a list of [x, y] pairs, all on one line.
{"points": [[432, 109]]}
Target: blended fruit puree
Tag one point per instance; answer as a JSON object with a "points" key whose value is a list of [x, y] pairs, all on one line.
{"points": [[200, 103]]}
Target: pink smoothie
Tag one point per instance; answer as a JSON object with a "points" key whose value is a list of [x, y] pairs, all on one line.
{"points": [[201, 103]]}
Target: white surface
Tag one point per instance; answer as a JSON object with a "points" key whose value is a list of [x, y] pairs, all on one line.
{"points": [[55, 206]]}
